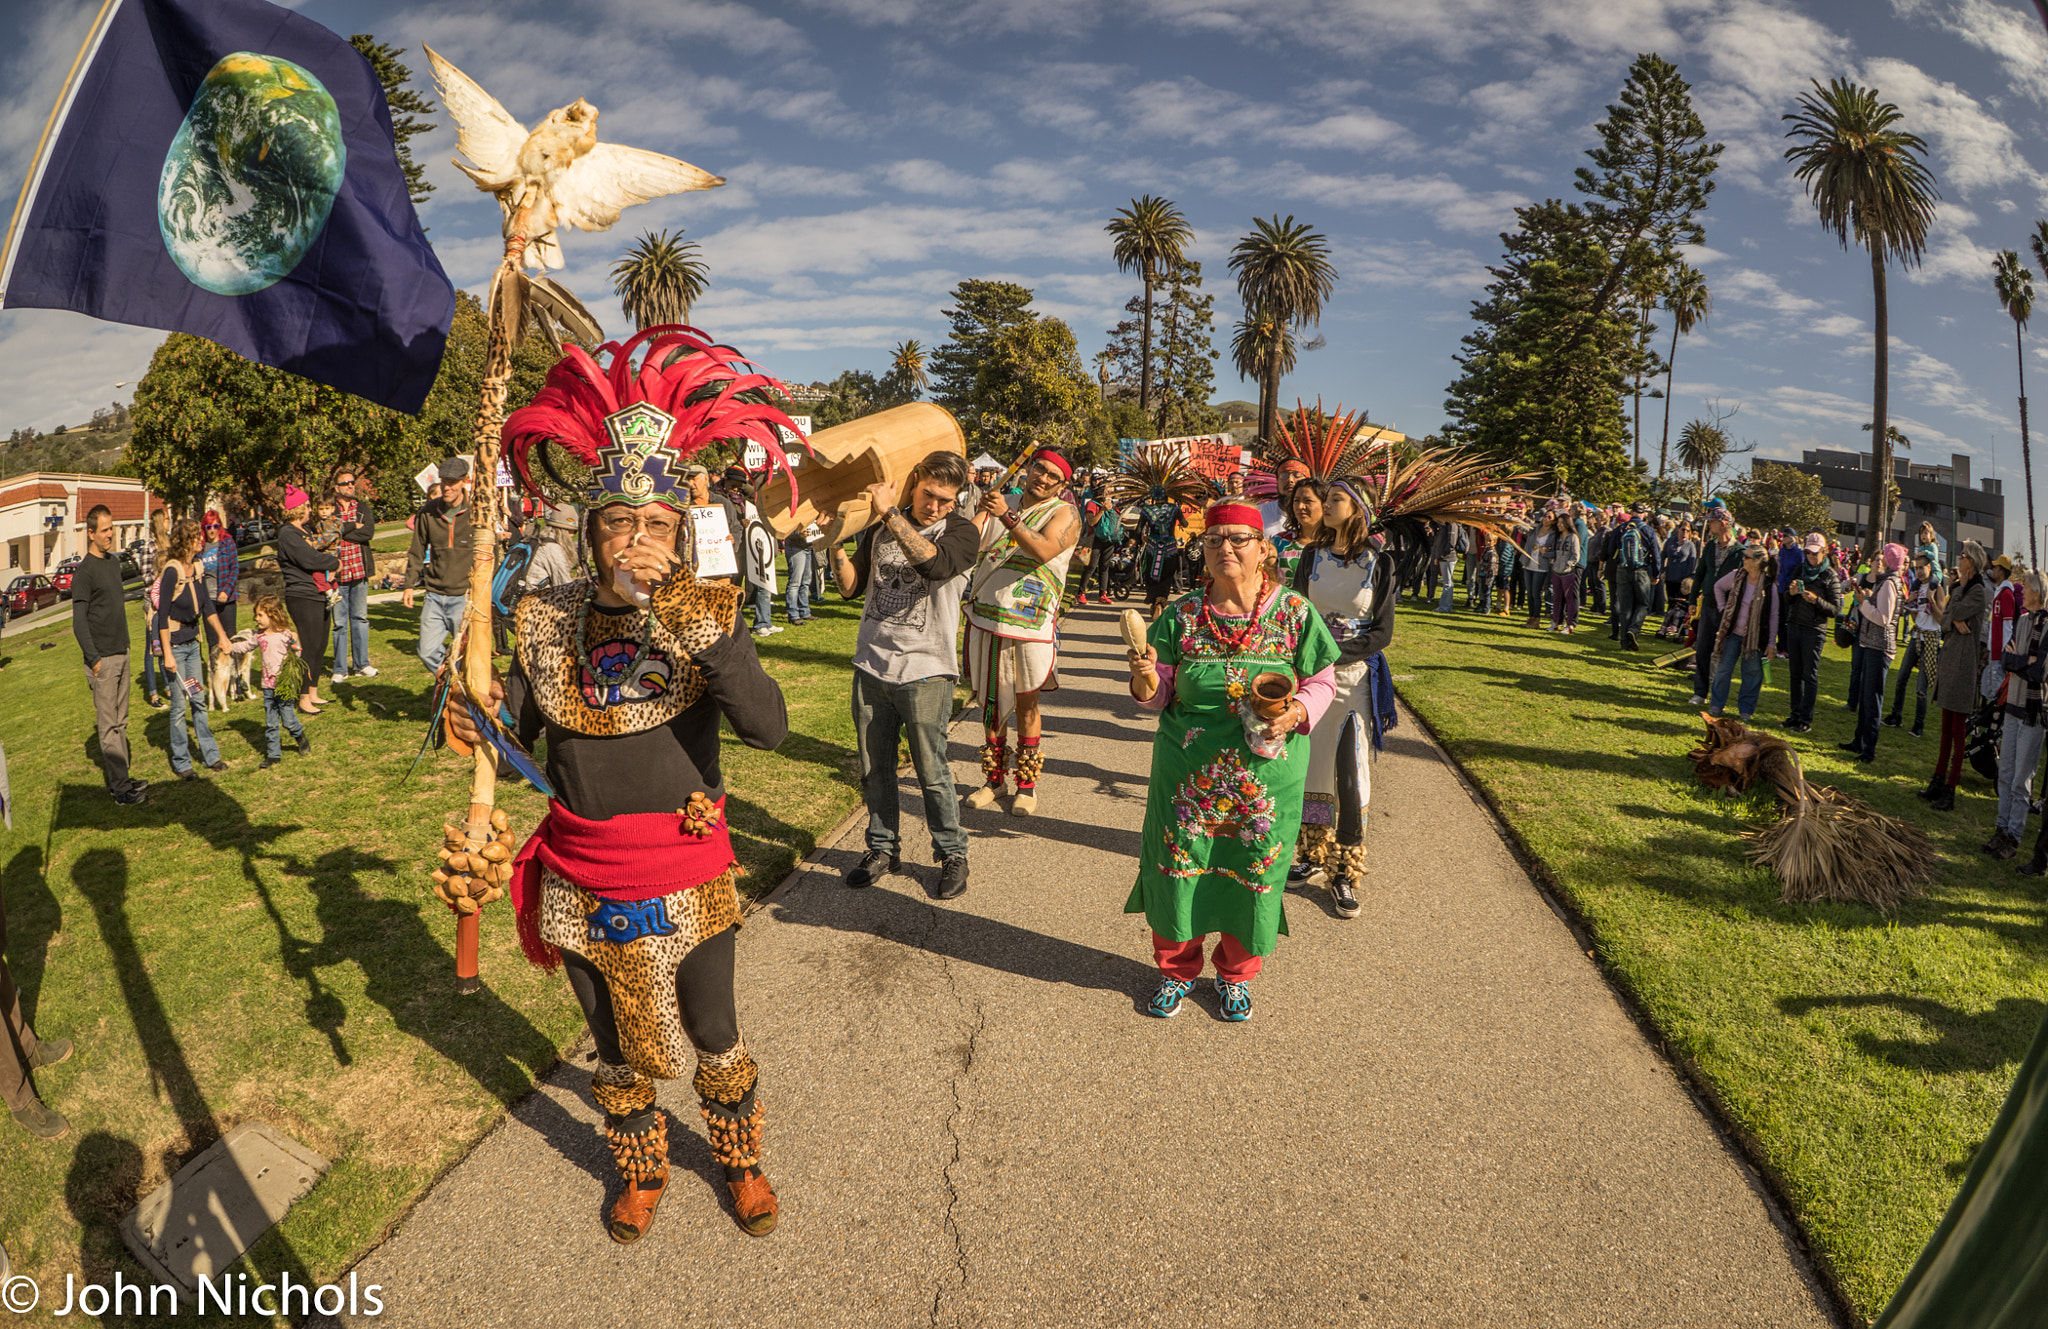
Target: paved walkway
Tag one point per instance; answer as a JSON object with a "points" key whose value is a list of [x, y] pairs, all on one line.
{"points": [[1439, 1114]]}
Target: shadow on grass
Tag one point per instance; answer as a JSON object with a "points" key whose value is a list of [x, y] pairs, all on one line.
{"points": [[29, 917], [105, 1177], [1965, 1041]]}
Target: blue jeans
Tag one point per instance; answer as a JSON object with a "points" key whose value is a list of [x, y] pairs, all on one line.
{"points": [[352, 626], [1536, 582], [190, 662], [764, 606], [1724, 673], [440, 617], [2019, 752], [917, 710], [798, 601], [1444, 603], [1866, 695], [279, 712]]}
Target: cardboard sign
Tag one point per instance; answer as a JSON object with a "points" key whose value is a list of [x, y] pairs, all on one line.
{"points": [[713, 538], [429, 476]]}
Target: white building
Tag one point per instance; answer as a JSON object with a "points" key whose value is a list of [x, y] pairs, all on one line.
{"points": [[42, 515]]}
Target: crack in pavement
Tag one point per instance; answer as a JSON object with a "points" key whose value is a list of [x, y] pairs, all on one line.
{"points": [[969, 1050]]}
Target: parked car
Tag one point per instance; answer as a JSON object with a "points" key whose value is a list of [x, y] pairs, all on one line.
{"points": [[60, 577], [255, 531], [26, 594]]}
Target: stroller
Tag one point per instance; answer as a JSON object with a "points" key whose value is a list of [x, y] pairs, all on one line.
{"points": [[1123, 569]]}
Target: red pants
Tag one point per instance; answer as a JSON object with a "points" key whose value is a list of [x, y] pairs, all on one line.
{"points": [[1183, 959], [1955, 728]]}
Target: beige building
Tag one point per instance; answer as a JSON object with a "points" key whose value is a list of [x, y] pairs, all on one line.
{"points": [[42, 515]]}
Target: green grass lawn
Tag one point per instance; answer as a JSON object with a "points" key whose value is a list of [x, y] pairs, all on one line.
{"points": [[1864, 1057], [263, 944]]}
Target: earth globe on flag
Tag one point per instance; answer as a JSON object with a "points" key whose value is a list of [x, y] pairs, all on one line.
{"points": [[251, 175]]}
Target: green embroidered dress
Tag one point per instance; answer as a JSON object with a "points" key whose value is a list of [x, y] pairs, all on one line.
{"points": [[1220, 820]]}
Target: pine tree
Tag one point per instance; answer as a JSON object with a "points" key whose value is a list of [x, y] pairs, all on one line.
{"points": [[406, 106], [1187, 354], [981, 310]]}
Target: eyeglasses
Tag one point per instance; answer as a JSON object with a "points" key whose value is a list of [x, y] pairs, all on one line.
{"points": [[621, 523], [344, 484], [1237, 541]]}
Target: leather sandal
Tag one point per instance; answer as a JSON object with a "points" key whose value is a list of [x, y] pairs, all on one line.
{"points": [[754, 1203]]}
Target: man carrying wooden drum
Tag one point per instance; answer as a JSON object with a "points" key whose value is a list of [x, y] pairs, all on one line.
{"points": [[1012, 620]]}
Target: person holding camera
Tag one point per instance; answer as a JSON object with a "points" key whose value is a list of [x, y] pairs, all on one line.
{"points": [[1813, 596]]}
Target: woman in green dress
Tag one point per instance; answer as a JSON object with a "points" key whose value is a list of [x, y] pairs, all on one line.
{"points": [[1221, 818]]}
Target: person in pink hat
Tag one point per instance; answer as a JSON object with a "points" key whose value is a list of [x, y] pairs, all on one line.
{"points": [[305, 563]]}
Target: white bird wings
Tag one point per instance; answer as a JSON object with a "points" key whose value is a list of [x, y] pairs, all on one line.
{"points": [[486, 133], [609, 179]]}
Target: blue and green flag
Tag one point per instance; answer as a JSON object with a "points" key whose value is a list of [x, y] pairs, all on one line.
{"points": [[227, 168]]}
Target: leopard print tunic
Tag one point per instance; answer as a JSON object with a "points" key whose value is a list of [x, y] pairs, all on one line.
{"points": [[688, 617], [637, 946]]}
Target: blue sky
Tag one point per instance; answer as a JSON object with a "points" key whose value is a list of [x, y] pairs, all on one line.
{"points": [[879, 151]]}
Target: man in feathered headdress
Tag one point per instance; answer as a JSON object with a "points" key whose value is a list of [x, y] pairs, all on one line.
{"points": [[629, 880], [1012, 619]]}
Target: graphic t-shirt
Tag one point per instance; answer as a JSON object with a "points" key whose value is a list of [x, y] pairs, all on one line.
{"points": [[911, 622]]}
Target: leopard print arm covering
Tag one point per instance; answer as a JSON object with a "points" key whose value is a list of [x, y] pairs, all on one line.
{"points": [[696, 613]]}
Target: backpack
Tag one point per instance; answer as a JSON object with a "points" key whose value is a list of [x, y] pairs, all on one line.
{"points": [[1109, 526], [511, 575], [1634, 551]]}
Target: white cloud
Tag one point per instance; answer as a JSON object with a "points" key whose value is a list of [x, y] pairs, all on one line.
{"points": [[1748, 286], [1840, 325], [63, 366], [1951, 253], [1419, 264], [857, 242], [2008, 31], [1448, 203], [1973, 148]]}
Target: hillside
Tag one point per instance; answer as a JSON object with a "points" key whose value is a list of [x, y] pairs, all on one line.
{"points": [[83, 451]]}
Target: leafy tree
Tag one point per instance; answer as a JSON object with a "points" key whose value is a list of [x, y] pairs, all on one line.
{"points": [[1543, 376], [660, 277], [1284, 276], [1187, 355], [207, 420], [1645, 288], [854, 393], [1866, 180], [406, 106], [1033, 391], [1258, 342], [1653, 173], [1774, 495], [1151, 236], [2015, 287], [1688, 302], [981, 310]]}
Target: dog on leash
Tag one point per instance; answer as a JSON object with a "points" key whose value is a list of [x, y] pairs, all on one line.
{"points": [[229, 679]]}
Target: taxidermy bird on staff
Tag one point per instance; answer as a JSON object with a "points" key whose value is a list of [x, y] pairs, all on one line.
{"points": [[558, 175]]}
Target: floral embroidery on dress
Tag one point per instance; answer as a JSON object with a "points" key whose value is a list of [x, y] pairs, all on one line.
{"points": [[1279, 633], [1194, 732], [1223, 799]]}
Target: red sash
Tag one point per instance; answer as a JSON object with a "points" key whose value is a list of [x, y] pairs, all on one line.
{"points": [[636, 856]]}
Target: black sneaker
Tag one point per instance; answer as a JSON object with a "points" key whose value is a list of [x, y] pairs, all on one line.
{"points": [[871, 867], [952, 883], [1851, 746], [1945, 801], [269, 762], [1892, 721], [1343, 897], [305, 746], [129, 798]]}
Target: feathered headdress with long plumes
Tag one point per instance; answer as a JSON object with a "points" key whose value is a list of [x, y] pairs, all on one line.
{"points": [[1333, 447], [635, 425], [1824, 845], [1155, 466]]}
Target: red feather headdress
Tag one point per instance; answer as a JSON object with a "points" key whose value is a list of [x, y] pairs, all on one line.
{"points": [[599, 413]]}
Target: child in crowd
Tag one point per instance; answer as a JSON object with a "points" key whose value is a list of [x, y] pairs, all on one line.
{"points": [[275, 639], [1678, 612]]}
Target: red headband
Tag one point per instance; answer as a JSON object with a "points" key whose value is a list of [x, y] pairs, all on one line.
{"points": [[1066, 468], [1234, 514]]}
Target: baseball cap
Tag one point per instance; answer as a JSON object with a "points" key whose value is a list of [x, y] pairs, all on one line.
{"points": [[2003, 561], [695, 470], [1816, 542]]}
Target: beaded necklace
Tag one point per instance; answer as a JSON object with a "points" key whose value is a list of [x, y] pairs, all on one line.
{"points": [[1239, 639], [606, 677]]}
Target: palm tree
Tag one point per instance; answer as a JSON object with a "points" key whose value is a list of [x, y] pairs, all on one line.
{"points": [[1687, 302], [1700, 448], [1150, 236], [1284, 275], [1257, 342], [906, 366], [658, 280], [2015, 287], [1867, 181]]}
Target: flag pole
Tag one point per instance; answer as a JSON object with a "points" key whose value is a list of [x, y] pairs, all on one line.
{"points": [[65, 96]]}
